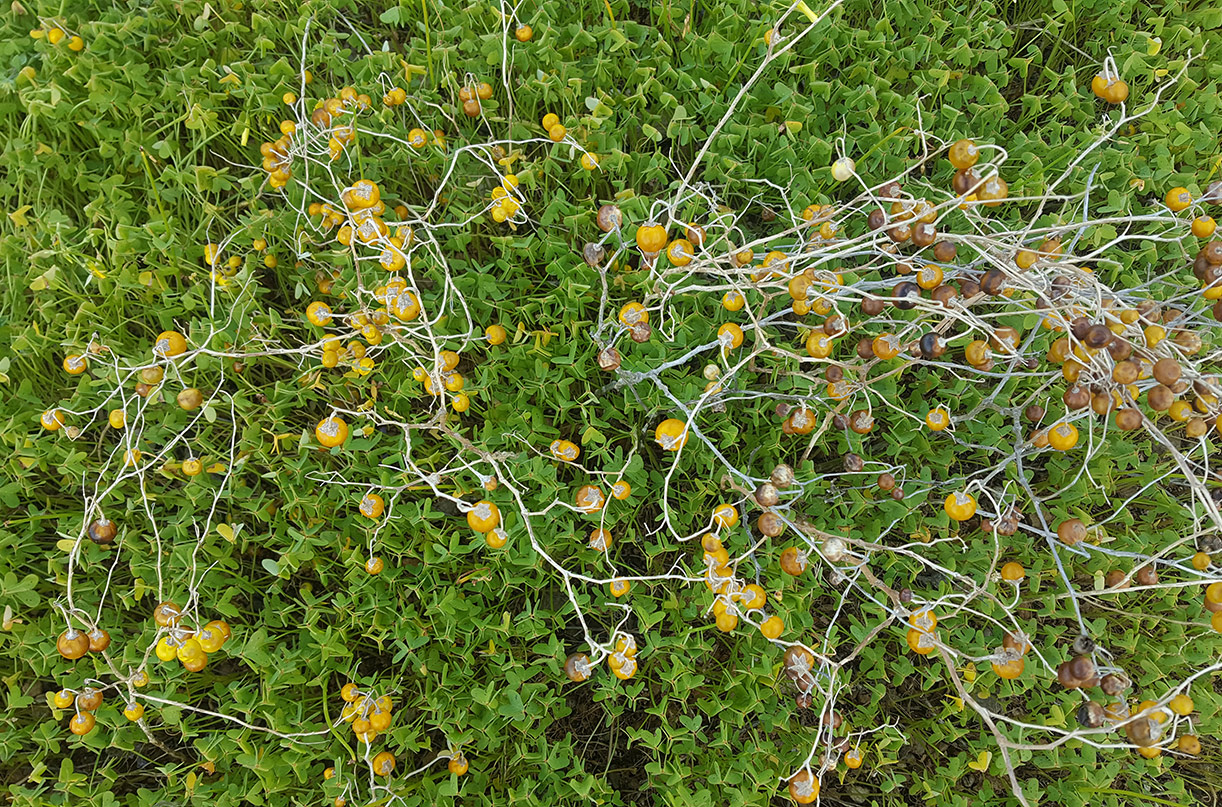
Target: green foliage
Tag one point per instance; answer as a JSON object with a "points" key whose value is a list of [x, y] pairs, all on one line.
{"points": [[124, 160]]}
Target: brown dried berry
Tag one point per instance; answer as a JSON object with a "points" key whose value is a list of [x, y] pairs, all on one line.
{"points": [[609, 218], [1076, 397], [1160, 398], [1083, 645], [1126, 372], [833, 719], [924, 234], [906, 294], [944, 294], [782, 476], [965, 180], [944, 251], [932, 346], [1213, 252], [1143, 731], [1115, 683], [770, 524], [1097, 337], [766, 495], [993, 281], [103, 531], [593, 253], [609, 359], [1066, 677], [1071, 531], [861, 421], [1119, 349], [1090, 715], [1128, 420], [1167, 371]]}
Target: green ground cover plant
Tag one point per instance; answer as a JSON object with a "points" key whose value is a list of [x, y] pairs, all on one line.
{"points": [[617, 403]]}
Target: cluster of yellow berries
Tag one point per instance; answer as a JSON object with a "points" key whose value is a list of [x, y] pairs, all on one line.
{"points": [[54, 34], [505, 200], [168, 345], [277, 158], [1143, 724], [191, 648], [395, 96], [578, 667], [365, 208], [418, 138], [484, 517], [921, 636], [1148, 728], [370, 716], [330, 114], [732, 596], [565, 450], [223, 271], [87, 701], [1009, 659], [590, 499], [554, 128], [451, 379], [1112, 89]]}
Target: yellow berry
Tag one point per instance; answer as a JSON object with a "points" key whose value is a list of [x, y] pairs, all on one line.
{"points": [[772, 627]]}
